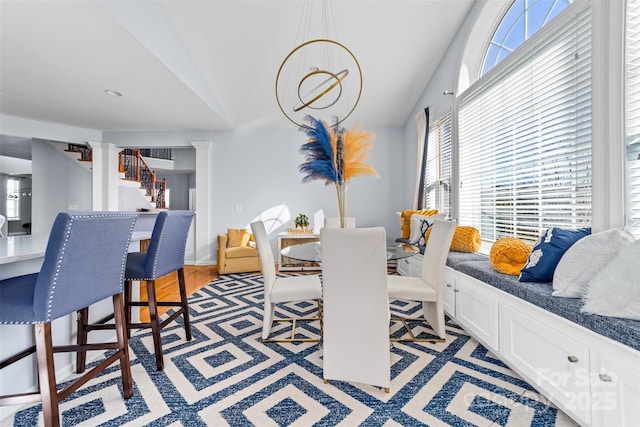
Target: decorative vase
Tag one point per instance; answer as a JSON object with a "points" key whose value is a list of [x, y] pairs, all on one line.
{"points": [[342, 202]]}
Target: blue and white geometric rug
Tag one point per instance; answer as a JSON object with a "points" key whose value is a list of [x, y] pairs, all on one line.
{"points": [[227, 376]]}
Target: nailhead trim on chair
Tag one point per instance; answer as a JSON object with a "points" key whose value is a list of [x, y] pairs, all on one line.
{"points": [[155, 261], [62, 252], [153, 273]]}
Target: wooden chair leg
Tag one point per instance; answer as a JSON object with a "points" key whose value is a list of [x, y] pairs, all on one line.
{"points": [[127, 306], [183, 304], [155, 323], [81, 356], [47, 375], [123, 345]]}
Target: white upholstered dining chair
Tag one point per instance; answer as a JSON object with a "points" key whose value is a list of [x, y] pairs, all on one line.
{"points": [[283, 289], [429, 287], [334, 222], [355, 306]]}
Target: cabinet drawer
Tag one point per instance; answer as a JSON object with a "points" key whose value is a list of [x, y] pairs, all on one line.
{"points": [[615, 394], [548, 359], [476, 308], [403, 268]]}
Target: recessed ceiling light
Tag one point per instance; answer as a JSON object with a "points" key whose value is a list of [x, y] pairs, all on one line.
{"points": [[112, 92]]}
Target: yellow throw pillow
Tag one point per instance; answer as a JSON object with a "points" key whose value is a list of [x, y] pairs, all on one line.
{"points": [[508, 255], [405, 216], [465, 239], [238, 237]]}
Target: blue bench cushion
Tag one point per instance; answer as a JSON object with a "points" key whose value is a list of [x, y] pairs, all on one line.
{"points": [[454, 258], [625, 331]]}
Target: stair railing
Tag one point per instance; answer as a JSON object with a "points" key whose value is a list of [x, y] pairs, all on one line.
{"points": [[84, 150], [135, 168]]}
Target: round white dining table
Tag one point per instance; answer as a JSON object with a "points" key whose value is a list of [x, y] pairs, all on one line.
{"points": [[312, 251]]}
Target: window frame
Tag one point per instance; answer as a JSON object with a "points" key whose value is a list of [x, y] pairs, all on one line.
{"points": [[438, 181], [492, 80], [13, 198]]}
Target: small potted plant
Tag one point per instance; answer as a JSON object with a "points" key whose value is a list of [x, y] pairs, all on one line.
{"points": [[301, 222]]}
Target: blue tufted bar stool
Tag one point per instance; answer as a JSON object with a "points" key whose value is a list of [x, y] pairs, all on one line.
{"points": [[165, 255], [84, 263]]}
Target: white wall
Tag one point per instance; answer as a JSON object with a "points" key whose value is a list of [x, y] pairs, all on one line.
{"points": [[264, 174], [12, 165], [59, 184], [445, 78], [255, 171], [178, 186], [183, 159]]}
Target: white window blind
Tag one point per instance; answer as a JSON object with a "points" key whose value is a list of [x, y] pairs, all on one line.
{"points": [[437, 194], [525, 139], [632, 116]]}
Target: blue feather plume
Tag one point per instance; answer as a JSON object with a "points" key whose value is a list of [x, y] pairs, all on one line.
{"points": [[318, 151]]}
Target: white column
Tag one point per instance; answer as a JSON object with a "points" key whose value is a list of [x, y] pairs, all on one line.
{"points": [[607, 94], [106, 176], [202, 229]]}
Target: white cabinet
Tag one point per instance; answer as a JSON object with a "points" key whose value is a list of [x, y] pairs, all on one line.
{"points": [[615, 393], [549, 359], [449, 301], [411, 266], [590, 377], [477, 309], [403, 268]]}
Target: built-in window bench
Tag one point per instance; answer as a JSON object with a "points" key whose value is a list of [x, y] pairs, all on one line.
{"points": [[588, 365]]}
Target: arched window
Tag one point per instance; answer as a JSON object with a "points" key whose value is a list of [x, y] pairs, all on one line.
{"points": [[524, 130], [523, 19]]}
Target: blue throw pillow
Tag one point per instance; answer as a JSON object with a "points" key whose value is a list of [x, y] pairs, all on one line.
{"points": [[424, 226], [547, 251]]}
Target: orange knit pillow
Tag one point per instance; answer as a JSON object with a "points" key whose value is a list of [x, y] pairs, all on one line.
{"points": [[465, 239], [508, 255], [405, 216]]}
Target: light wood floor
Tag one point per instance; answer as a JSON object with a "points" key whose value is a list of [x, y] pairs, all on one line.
{"points": [[195, 276]]}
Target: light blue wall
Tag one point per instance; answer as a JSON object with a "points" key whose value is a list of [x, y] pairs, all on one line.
{"points": [[58, 184], [178, 186], [445, 78], [258, 170]]}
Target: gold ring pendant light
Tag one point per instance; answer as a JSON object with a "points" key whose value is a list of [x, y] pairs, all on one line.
{"points": [[320, 77]]}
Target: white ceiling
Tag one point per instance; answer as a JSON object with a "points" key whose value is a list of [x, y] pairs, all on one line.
{"points": [[206, 64]]}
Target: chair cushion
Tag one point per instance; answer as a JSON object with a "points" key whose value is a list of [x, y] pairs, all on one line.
{"points": [[585, 259], [238, 237], [16, 300], [410, 288], [405, 217], [419, 225], [508, 255], [615, 291], [241, 252], [465, 239], [296, 288], [547, 252]]}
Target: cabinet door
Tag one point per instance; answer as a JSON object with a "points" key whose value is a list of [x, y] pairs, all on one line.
{"points": [[476, 308], [416, 265], [403, 268], [551, 360], [615, 394], [449, 292]]}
